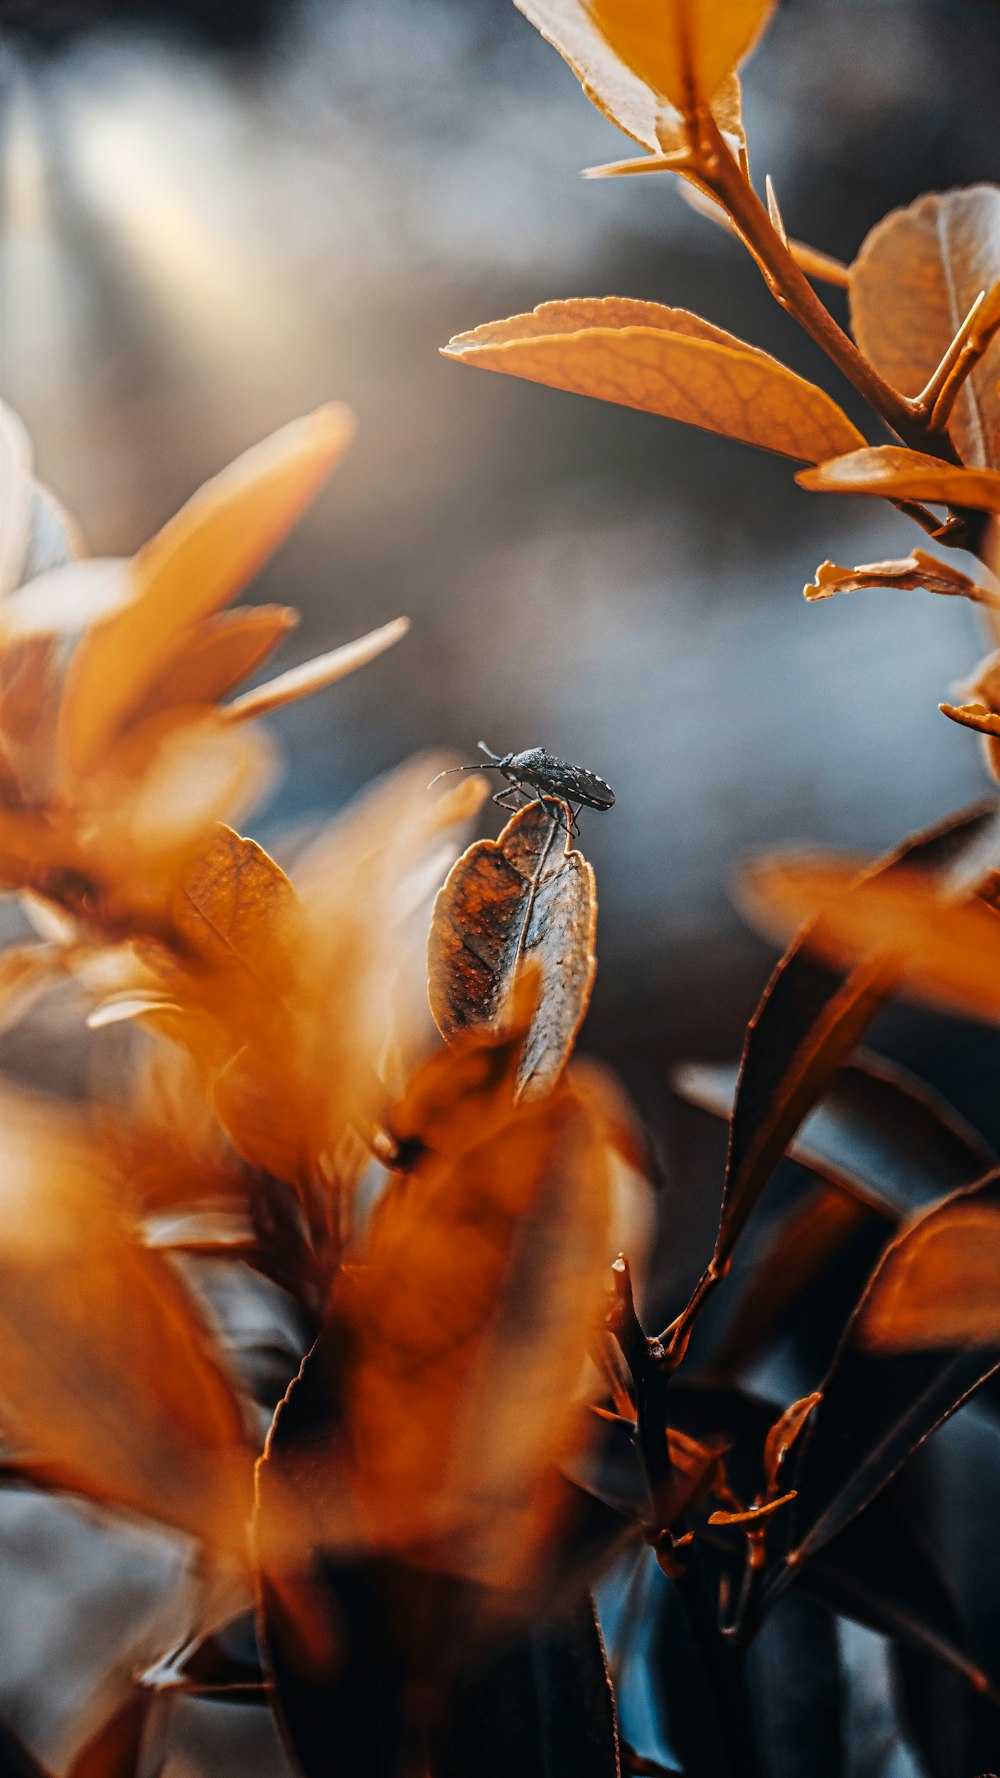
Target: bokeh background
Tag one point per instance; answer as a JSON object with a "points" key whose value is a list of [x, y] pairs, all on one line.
{"points": [[216, 215]]}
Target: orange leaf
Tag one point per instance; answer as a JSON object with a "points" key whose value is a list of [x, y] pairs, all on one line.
{"points": [[898, 474], [524, 895], [192, 567], [622, 94], [912, 285], [315, 675], [218, 654], [482, 1281], [947, 952], [916, 571], [108, 1372], [664, 361], [682, 50], [940, 1284]]}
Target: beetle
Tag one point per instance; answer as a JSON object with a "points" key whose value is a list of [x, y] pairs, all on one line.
{"points": [[547, 776]]}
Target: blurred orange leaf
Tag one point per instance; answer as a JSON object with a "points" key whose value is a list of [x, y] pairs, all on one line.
{"points": [[525, 895], [220, 652], [664, 361], [946, 951], [314, 675], [898, 474], [918, 570], [191, 568], [939, 1285], [108, 1372], [912, 285]]}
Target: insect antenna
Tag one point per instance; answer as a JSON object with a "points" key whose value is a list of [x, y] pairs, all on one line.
{"points": [[488, 751], [448, 771]]}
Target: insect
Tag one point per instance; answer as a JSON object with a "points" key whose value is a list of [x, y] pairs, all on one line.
{"points": [[547, 776]]}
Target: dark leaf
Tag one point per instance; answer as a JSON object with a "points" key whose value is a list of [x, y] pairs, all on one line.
{"points": [[877, 1133], [877, 1408], [525, 896], [17, 1760], [796, 1692], [542, 1708]]}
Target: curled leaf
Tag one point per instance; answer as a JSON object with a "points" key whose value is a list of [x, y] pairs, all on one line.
{"points": [[911, 286], [897, 474], [524, 897], [783, 1435], [918, 570], [220, 652], [664, 361]]}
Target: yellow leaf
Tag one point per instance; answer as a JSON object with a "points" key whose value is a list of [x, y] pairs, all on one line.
{"points": [[682, 49], [898, 474], [947, 952], [616, 89], [664, 361], [315, 675], [916, 571], [108, 1373], [189, 569], [912, 285]]}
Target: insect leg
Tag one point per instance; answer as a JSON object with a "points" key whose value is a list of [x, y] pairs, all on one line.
{"points": [[501, 796]]}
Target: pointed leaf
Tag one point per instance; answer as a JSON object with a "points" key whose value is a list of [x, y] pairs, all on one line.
{"points": [[896, 474], [916, 571], [193, 566], [912, 285], [664, 361], [525, 895], [315, 675], [940, 1286]]}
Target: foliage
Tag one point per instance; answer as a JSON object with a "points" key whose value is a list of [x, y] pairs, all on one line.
{"points": [[476, 1428]]}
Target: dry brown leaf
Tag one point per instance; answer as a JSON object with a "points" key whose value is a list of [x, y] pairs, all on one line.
{"points": [[685, 49], [526, 896], [976, 716], [940, 1286], [316, 674], [947, 952], [218, 654], [107, 1370], [917, 571], [898, 474], [192, 567], [611, 85], [664, 361], [912, 285]]}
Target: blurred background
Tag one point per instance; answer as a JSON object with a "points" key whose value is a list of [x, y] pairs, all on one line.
{"points": [[218, 213]]}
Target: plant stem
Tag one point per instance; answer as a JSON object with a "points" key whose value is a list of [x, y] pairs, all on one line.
{"points": [[718, 170]]}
